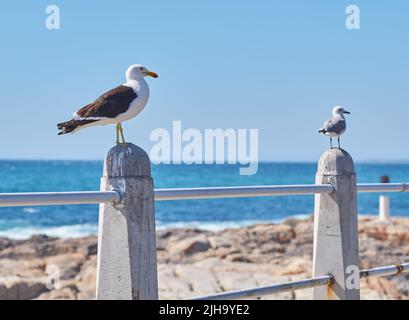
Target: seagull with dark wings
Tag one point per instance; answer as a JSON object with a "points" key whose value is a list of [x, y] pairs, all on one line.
{"points": [[115, 106], [335, 126]]}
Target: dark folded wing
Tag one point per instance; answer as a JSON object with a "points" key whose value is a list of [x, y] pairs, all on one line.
{"points": [[109, 105], [335, 125]]}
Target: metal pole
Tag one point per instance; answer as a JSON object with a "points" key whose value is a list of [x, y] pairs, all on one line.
{"points": [[386, 271], [272, 289], [237, 192], [326, 280], [91, 197], [383, 187], [58, 198]]}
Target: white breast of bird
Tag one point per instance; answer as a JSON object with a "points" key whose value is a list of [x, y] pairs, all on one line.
{"points": [[141, 89]]}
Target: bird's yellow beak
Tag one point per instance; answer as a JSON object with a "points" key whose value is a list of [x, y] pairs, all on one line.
{"points": [[151, 74]]}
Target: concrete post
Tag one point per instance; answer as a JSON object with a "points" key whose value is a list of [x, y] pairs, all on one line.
{"points": [[384, 202], [336, 228], [384, 207], [126, 262]]}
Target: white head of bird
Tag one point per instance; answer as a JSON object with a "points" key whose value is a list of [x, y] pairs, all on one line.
{"points": [[339, 112], [136, 72]]}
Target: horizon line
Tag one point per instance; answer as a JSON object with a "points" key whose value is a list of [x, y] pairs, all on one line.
{"points": [[363, 161]]}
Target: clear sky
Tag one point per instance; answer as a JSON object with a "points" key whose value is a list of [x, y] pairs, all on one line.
{"points": [[278, 66]]}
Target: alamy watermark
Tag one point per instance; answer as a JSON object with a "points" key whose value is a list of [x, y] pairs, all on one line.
{"points": [[52, 281], [353, 20], [52, 21], [214, 146], [353, 278]]}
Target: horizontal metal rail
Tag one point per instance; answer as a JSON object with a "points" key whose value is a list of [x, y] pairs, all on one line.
{"points": [[386, 271], [265, 191], [239, 192], [267, 290], [383, 187], [304, 284], [58, 198], [95, 197]]}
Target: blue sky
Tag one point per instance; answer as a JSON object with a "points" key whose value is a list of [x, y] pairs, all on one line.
{"points": [[278, 66]]}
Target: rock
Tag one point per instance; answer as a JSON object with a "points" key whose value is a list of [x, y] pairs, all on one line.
{"points": [[90, 249], [190, 246], [86, 279], [232, 279], [381, 288], [219, 242], [67, 265], [190, 273], [296, 266], [170, 285], [17, 288], [65, 293], [5, 243], [238, 257], [304, 230], [193, 262], [281, 233]]}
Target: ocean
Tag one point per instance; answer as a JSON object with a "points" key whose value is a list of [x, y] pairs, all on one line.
{"points": [[81, 220]]}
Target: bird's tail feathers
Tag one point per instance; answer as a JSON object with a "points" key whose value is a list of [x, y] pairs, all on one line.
{"points": [[71, 125]]}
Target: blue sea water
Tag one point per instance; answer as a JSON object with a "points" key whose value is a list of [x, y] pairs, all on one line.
{"points": [[79, 220]]}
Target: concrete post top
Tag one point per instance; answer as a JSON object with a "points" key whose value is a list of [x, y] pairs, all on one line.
{"points": [[126, 160], [335, 161]]}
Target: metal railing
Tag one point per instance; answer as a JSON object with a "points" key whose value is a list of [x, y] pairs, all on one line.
{"points": [[58, 198], [129, 169], [303, 284], [96, 197], [382, 187], [271, 289]]}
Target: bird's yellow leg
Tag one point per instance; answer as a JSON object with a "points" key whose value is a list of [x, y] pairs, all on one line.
{"points": [[117, 134], [122, 133]]}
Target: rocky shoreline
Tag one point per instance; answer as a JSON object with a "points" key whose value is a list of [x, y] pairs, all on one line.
{"points": [[194, 262]]}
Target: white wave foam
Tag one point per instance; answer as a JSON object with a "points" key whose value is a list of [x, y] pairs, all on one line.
{"points": [[31, 210], [82, 230], [221, 225], [71, 231]]}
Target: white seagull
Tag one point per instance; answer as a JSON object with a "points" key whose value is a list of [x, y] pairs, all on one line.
{"points": [[115, 106], [335, 126]]}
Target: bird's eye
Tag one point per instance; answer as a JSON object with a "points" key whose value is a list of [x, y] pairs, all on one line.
{"points": [[140, 68]]}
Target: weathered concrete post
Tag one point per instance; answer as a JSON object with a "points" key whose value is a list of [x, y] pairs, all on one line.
{"points": [[384, 207], [126, 263], [384, 203], [336, 227]]}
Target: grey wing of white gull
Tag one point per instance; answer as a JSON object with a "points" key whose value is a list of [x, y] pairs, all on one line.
{"points": [[335, 126]]}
